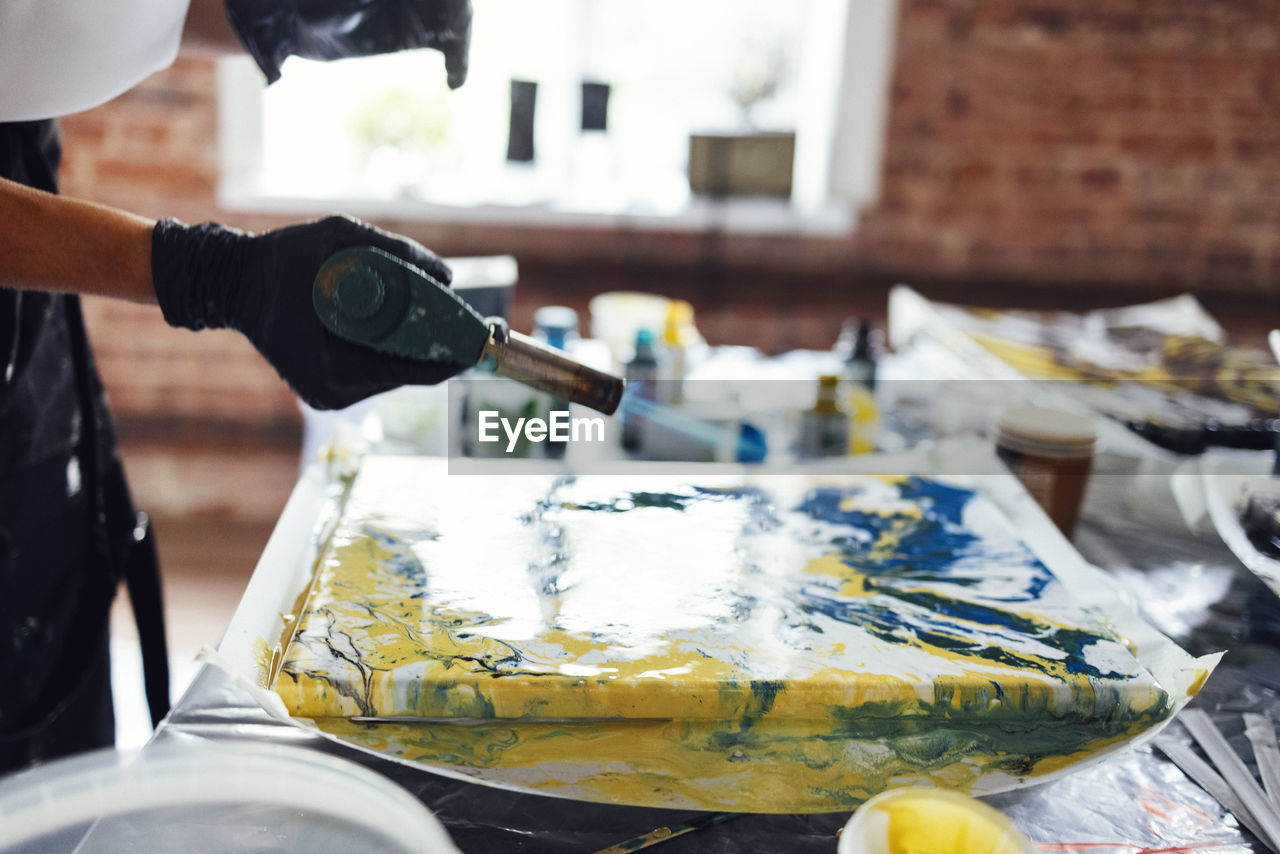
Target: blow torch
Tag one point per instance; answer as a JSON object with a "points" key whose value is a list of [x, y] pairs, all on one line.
{"points": [[372, 298]]}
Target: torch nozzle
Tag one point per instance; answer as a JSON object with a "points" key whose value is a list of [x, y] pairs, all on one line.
{"points": [[525, 360]]}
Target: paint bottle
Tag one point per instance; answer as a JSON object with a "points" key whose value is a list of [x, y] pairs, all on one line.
{"points": [[641, 374], [860, 345], [1051, 452], [824, 429], [557, 326], [679, 318]]}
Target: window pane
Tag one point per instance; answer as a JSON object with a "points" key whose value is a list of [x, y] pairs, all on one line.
{"points": [[388, 126]]}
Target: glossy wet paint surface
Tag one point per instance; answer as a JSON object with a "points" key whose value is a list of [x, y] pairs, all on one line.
{"points": [[672, 642]]}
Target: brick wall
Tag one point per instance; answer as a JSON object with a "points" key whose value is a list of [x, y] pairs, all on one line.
{"points": [[1096, 143], [1124, 148], [153, 151]]}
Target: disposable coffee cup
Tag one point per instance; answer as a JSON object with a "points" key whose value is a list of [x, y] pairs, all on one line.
{"points": [[1051, 452]]}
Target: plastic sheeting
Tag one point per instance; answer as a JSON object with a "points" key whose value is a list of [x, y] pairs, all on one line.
{"points": [[1193, 589], [1133, 802]]}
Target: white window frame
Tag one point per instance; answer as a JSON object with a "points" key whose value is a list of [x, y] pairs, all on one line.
{"points": [[840, 132]]}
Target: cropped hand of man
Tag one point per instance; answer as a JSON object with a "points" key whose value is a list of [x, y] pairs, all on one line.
{"points": [[336, 29], [209, 276]]}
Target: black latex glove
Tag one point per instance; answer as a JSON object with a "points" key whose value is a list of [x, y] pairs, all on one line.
{"points": [[272, 30], [208, 276]]}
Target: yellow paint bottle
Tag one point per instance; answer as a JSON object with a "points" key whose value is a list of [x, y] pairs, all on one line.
{"points": [[930, 821], [675, 345]]}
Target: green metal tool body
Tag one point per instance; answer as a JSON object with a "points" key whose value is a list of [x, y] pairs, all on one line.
{"points": [[370, 297]]}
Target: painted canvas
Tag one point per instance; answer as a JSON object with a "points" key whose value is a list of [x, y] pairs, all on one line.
{"points": [[1170, 346], [779, 643]]}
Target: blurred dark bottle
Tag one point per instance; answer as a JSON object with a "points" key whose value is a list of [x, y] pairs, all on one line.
{"points": [[524, 98], [860, 344], [641, 374]]}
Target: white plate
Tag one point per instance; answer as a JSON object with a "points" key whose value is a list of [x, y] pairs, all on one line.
{"points": [[1226, 489]]}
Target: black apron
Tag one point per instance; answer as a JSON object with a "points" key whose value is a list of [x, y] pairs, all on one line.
{"points": [[68, 531]]}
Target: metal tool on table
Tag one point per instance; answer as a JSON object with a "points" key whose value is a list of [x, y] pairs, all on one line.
{"points": [[1231, 783], [662, 834], [372, 298]]}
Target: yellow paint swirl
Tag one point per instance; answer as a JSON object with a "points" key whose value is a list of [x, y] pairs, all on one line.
{"points": [[715, 646]]}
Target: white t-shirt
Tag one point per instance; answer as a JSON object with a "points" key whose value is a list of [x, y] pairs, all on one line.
{"points": [[63, 56]]}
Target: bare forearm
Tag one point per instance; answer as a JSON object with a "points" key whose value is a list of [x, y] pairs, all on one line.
{"points": [[53, 243]]}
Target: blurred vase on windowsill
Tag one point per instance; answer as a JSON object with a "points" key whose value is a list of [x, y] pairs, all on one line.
{"points": [[746, 160]]}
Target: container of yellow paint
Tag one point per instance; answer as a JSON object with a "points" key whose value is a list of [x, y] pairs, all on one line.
{"points": [[930, 821]]}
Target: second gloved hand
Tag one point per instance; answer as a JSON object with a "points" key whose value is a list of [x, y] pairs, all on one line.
{"points": [[336, 29], [212, 277]]}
